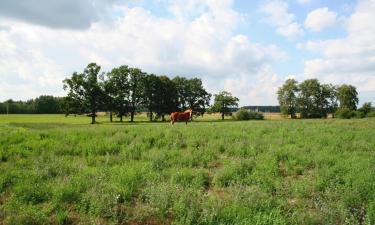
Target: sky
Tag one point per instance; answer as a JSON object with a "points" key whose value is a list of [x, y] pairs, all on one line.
{"points": [[248, 48]]}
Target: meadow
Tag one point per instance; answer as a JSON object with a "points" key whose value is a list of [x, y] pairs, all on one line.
{"points": [[61, 170]]}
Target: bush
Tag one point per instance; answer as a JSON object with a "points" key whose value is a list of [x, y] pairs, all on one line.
{"points": [[359, 114], [244, 114], [345, 113], [371, 114], [256, 116], [366, 108]]}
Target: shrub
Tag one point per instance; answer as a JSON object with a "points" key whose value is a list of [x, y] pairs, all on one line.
{"points": [[345, 113], [256, 116], [359, 114], [371, 114], [366, 108], [244, 114]]}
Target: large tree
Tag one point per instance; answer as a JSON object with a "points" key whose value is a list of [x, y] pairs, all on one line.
{"points": [[223, 101], [332, 99], [109, 104], [197, 98], [191, 94], [347, 96], [136, 90], [85, 89], [316, 100], [287, 96], [313, 99], [166, 97], [151, 88], [117, 88], [182, 88]]}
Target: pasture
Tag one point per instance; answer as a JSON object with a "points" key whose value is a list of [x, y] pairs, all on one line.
{"points": [[60, 170]]}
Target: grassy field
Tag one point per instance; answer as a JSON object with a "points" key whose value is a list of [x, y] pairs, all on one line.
{"points": [[80, 119], [57, 170]]}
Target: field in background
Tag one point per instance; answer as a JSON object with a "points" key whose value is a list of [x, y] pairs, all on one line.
{"points": [[102, 118], [58, 170]]}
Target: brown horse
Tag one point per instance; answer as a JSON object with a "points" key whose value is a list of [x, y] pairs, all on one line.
{"points": [[181, 116]]}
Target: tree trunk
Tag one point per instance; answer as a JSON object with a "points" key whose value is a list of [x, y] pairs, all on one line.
{"points": [[150, 115], [93, 117], [132, 115], [110, 117], [162, 118], [223, 108], [132, 112], [121, 113], [93, 111]]}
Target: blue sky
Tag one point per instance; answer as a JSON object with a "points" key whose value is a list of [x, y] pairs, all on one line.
{"points": [[246, 47]]}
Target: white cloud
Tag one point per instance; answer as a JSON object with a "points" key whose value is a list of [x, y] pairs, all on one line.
{"points": [[278, 16], [350, 59], [263, 85], [319, 19], [303, 2], [202, 44], [69, 14]]}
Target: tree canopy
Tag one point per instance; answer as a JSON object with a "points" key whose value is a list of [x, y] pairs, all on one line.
{"points": [[85, 90], [313, 99], [124, 90], [223, 101], [347, 96], [287, 96]]}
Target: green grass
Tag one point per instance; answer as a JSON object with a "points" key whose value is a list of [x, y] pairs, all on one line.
{"points": [[57, 170], [82, 119]]}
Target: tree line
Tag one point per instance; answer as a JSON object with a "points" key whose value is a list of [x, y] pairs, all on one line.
{"points": [[315, 100], [124, 91], [44, 104]]}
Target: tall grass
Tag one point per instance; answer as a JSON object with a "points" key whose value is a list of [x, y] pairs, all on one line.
{"points": [[257, 172]]}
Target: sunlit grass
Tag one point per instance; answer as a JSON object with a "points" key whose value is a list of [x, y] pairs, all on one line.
{"points": [[254, 172]]}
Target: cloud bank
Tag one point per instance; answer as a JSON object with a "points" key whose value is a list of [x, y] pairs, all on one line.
{"points": [[35, 59], [350, 59]]}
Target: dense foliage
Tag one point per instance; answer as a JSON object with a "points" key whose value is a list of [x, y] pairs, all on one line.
{"points": [[124, 90], [85, 90], [315, 100], [365, 111], [269, 172], [287, 96], [43, 104], [244, 114], [223, 103]]}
